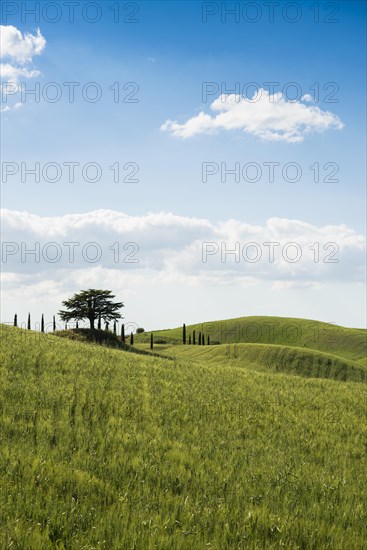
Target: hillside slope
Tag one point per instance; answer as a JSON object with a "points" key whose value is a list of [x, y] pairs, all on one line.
{"points": [[107, 449], [287, 359], [348, 343]]}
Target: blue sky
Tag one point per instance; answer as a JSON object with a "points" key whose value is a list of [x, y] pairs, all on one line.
{"points": [[169, 53]]}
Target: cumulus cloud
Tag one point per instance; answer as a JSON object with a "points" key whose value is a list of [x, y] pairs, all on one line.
{"points": [[20, 48], [271, 117], [18, 51], [10, 72], [171, 270], [307, 97], [110, 245]]}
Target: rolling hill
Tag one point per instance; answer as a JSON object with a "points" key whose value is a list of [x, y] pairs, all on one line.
{"points": [[107, 449], [347, 343], [287, 359]]}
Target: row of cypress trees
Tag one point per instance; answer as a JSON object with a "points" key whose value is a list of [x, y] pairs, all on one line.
{"points": [[201, 339], [123, 337], [192, 340], [15, 323], [99, 326]]}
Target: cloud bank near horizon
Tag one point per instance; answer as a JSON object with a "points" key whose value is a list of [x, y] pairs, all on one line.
{"points": [[109, 247]]}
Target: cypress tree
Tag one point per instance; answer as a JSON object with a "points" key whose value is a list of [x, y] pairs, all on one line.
{"points": [[189, 339], [54, 323], [208, 340], [184, 334], [203, 340], [77, 325], [114, 327], [106, 327], [99, 324], [193, 338], [123, 333], [42, 324], [15, 320], [29, 322], [151, 340], [199, 338], [131, 339]]}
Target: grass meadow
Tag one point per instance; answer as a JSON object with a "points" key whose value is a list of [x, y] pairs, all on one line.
{"points": [[198, 450]]}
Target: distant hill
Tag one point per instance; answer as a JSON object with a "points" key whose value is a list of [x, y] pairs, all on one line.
{"points": [[275, 358], [346, 343]]}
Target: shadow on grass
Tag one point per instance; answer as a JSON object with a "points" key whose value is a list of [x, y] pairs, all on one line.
{"points": [[103, 338]]}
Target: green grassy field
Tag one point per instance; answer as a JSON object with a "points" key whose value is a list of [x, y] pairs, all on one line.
{"points": [[348, 343], [287, 359], [230, 446]]}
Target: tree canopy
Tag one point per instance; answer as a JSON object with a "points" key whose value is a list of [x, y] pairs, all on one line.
{"points": [[91, 304]]}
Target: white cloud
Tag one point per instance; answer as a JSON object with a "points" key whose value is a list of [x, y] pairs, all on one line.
{"points": [[12, 73], [172, 248], [20, 48], [15, 107], [297, 285], [269, 117], [171, 282], [307, 97]]}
